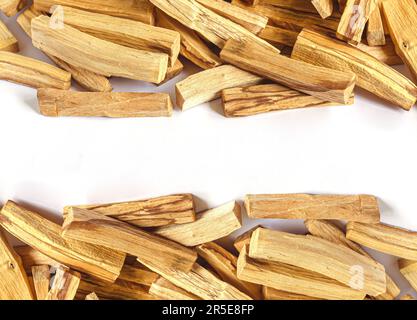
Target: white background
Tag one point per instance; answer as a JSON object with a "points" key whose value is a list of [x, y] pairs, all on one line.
{"points": [[47, 163]]}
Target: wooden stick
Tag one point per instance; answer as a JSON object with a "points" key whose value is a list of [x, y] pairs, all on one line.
{"points": [[31, 72], [138, 275], [41, 279], [62, 103], [408, 269], [44, 236], [362, 208], [153, 212], [65, 285], [8, 42], [274, 294], [323, 83], [244, 239], [14, 284], [375, 34], [279, 36], [225, 264], [139, 10], [120, 236], [386, 54], [381, 237], [372, 75], [165, 290], [207, 85], [210, 225], [324, 7], [353, 20], [11, 7], [173, 71], [296, 5], [293, 279], [96, 55], [321, 256], [92, 296], [31, 257]]}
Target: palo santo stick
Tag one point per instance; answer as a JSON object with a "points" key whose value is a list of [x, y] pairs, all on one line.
{"points": [[125, 32], [8, 42], [408, 269], [11, 7], [207, 85], [14, 284], [209, 24], [153, 212], [192, 47], [165, 290], [31, 72], [244, 239], [323, 83], [401, 18], [64, 286], [92, 296], [139, 10], [353, 20], [318, 255], [44, 236], [41, 279], [381, 237], [31, 257], [225, 264], [173, 71], [122, 237], [293, 279], [210, 225], [250, 20], [87, 79], [138, 275], [385, 54], [279, 36], [375, 34], [252, 100], [274, 294], [363, 208], [323, 7], [96, 55], [372, 75], [63, 103]]}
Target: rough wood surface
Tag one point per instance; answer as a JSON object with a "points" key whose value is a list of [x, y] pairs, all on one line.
{"points": [[41, 279], [138, 274], [139, 10], [323, 83], [372, 75], [375, 35], [153, 212], [91, 227], [97, 55], [64, 285], [384, 238], [14, 284], [312, 253], [63, 103], [31, 257], [165, 290], [408, 269], [44, 236], [32, 72], [207, 85], [323, 7], [92, 296], [244, 238], [11, 7], [279, 36], [8, 42], [363, 208], [210, 225], [173, 71], [297, 5], [274, 294]]}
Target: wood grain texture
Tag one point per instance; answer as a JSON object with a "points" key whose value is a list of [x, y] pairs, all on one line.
{"points": [[386, 54], [162, 289], [14, 284], [65, 285], [384, 238], [63, 103], [296, 5], [138, 274], [274, 294], [323, 7], [96, 55], [31, 257], [372, 75], [44, 236], [11, 7], [41, 279], [323, 83], [207, 85], [8, 42], [173, 71], [375, 35], [139, 10], [408, 269], [210, 225], [312, 253], [153, 212], [279, 36], [244, 239], [362, 208], [91, 227]]}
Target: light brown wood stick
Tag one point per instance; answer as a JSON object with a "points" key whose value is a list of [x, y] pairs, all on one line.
{"points": [[321, 256], [372, 75], [279, 36], [362, 208], [120, 236], [207, 85], [165, 290], [375, 35], [11, 7], [353, 20], [138, 275], [244, 238], [44, 236], [92, 296], [297, 5], [41, 279], [31, 72], [14, 284], [274, 294], [139, 10], [97, 55], [293, 279], [31, 257], [323, 7], [408, 269], [192, 47], [173, 71], [64, 103], [225, 264], [210, 225], [153, 212], [8, 42], [384, 238], [401, 18], [64, 285], [323, 83]]}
